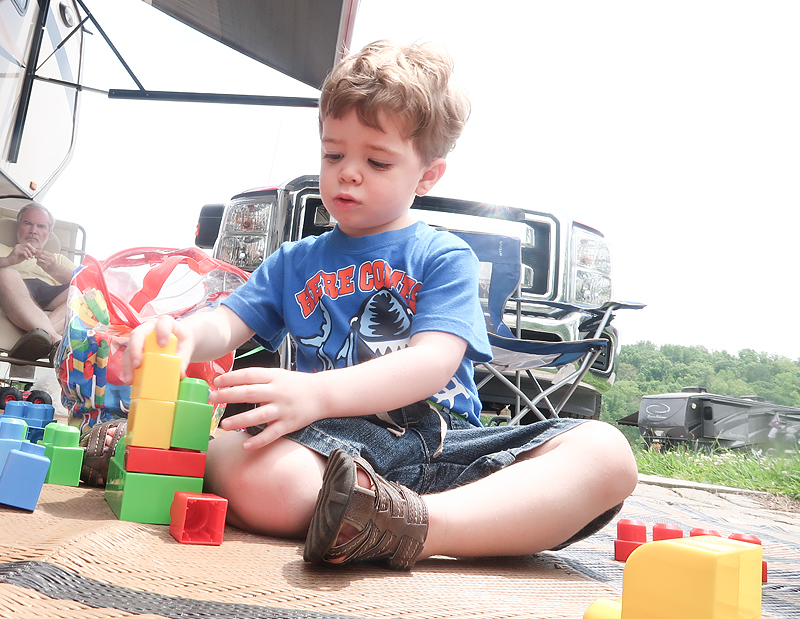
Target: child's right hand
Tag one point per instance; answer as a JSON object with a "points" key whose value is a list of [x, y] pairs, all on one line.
{"points": [[163, 326]]}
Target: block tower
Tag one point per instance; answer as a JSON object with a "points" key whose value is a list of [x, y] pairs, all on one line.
{"points": [[169, 423]]}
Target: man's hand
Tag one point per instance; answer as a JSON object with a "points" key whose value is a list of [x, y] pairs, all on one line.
{"points": [[20, 253], [289, 401], [46, 261]]}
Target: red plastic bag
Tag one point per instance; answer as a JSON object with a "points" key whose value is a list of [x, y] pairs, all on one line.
{"points": [[109, 299]]}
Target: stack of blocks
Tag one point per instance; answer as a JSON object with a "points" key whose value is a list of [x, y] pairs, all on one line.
{"points": [[168, 431], [23, 465]]}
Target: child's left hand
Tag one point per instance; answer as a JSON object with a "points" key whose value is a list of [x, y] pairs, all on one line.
{"points": [[289, 401]]}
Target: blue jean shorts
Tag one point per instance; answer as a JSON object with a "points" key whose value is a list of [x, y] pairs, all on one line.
{"points": [[404, 450]]}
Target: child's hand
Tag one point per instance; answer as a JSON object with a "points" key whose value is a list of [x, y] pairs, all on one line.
{"points": [[289, 401], [163, 326]]}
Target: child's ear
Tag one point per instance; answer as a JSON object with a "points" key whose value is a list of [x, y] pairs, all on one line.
{"points": [[430, 176]]}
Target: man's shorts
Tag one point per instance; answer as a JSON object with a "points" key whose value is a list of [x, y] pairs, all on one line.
{"points": [[42, 292], [467, 453]]}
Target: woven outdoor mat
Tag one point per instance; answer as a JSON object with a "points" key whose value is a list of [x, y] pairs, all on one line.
{"points": [[72, 558]]}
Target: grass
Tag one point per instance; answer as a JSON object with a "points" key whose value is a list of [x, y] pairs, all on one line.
{"points": [[777, 474]]}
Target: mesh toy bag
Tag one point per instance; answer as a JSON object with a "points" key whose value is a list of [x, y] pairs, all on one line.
{"points": [[108, 299]]}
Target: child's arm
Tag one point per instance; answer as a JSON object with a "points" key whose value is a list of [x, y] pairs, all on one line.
{"points": [[292, 400], [201, 337]]}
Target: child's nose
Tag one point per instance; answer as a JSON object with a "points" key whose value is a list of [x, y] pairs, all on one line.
{"points": [[349, 173]]}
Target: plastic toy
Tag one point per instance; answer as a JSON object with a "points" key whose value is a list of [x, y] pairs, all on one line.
{"points": [[630, 535], [12, 434], [37, 416], [198, 518], [66, 457], [663, 531], [23, 476], [701, 577], [167, 433], [144, 497], [751, 539], [193, 415], [165, 461]]}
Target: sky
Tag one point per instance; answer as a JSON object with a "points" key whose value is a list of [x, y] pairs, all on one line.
{"points": [[673, 128]]}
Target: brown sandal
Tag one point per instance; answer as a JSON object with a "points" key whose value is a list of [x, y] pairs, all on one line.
{"points": [[391, 519], [97, 454]]}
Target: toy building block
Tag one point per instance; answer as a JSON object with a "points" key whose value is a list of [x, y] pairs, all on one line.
{"points": [[198, 518], [702, 531], [23, 476], [701, 577], [150, 423], [193, 415], [180, 462], [751, 539], [12, 434], [66, 456], [666, 531], [630, 535], [143, 497], [157, 378], [37, 416]]}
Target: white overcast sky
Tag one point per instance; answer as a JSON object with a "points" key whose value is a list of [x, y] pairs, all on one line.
{"points": [[674, 128]]}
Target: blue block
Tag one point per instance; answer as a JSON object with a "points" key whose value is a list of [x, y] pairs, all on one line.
{"points": [[23, 476], [37, 416], [12, 435]]}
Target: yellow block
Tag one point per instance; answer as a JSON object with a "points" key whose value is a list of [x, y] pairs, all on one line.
{"points": [[702, 577], [150, 423], [151, 345], [158, 378]]}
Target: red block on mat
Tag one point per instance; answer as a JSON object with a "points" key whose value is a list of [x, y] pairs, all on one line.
{"points": [[198, 518], [663, 531], [630, 535], [701, 531], [180, 462]]}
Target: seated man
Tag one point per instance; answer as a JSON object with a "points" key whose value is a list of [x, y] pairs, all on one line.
{"points": [[33, 280]]}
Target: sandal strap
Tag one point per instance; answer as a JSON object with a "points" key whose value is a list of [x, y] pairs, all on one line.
{"points": [[96, 456], [392, 522]]}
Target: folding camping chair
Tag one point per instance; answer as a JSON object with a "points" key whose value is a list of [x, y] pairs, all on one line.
{"points": [[511, 354]]}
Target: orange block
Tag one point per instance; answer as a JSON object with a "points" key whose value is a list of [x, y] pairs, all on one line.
{"points": [[150, 423]]}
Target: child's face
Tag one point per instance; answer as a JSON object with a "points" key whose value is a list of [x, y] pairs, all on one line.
{"points": [[369, 178]]}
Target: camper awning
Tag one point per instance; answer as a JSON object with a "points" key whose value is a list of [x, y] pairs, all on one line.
{"points": [[301, 38]]}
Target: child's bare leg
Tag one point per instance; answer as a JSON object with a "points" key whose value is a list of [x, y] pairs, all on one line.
{"points": [[271, 490], [537, 503]]}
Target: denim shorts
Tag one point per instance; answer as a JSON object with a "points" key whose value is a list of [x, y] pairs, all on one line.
{"points": [[467, 453]]}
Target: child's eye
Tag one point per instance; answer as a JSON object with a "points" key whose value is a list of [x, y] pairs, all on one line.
{"points": [[331, 156], [379, 165]]}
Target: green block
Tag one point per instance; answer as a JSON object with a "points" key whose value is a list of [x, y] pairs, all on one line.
{"points": [[193, 390], [145, 498], [192, 425], [66, 458]]}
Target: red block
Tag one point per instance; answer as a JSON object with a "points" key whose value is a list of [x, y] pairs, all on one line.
{"points": [[666, 531], [632, 530], [700, 531], [183, 462], [198, 518], [623, 549]]}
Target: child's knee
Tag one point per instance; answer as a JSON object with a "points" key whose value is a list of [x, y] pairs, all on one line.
{"points": [[271, 490]]}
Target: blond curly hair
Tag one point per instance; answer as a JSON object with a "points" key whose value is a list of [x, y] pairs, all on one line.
{"points": [[412, 85]]}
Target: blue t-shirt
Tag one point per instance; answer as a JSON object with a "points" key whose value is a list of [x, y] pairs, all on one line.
{"points": [[347, 300]]}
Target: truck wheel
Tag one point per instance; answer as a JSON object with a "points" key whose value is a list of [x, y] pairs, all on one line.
{"points": [[9, 394], [39, 397]]}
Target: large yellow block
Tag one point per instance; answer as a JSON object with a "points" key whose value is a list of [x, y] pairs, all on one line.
{"points": [[702, 577], [157, 378], [151, 345], [150, 423]]}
